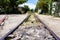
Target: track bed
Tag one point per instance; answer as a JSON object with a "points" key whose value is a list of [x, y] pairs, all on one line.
{"points": [[31, 29]]}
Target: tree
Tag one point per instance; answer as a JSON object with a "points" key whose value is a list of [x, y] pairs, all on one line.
{"points": [[32, 10], [26, 8], [57, 7], [3, 5], [44, 5], [10, 5]]}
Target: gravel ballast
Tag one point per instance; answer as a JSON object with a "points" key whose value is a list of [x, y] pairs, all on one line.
{"points": [[31, 29]]}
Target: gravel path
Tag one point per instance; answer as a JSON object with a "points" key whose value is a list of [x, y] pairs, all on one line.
{"points": [[31, 29]]}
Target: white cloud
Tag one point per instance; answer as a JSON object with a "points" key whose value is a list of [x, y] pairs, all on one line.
{"points": [[31, 6]]}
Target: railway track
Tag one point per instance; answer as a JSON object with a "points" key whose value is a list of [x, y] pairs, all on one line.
{"points": [[46, 26], [11, 24], [32, 29]]}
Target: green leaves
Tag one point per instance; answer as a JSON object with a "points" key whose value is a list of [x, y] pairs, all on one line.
{"points": [[26, 7], [10, 4], [44, 5], [22, 1]]}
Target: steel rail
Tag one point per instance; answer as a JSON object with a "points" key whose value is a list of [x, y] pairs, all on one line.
{"points": [[51, 32], [11, 31]]}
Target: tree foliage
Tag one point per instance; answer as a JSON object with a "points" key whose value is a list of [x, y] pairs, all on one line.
{"points": [[44, 5], [10, 5], [26, 7]]}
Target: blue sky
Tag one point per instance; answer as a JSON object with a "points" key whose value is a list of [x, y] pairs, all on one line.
{"points": [[30, 3]]}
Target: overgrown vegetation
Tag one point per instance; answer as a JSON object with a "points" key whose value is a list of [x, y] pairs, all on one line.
{"points": [[10, 6], [46, 7]]}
